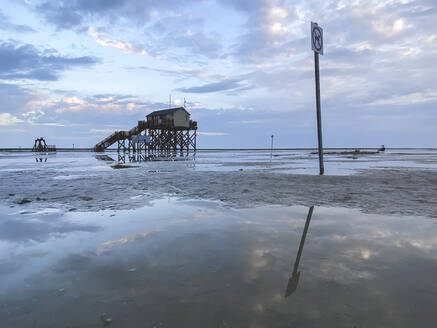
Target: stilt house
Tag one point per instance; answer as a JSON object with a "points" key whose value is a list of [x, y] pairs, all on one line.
{"points": [[172, 118]]}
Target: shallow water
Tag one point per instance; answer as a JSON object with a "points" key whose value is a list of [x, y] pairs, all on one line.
{"points": [[76, 164], [177, 263]]}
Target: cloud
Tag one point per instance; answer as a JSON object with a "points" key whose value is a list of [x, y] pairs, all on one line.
{"points": [[408, 99], [78, 107], [167, 28], [188, 33], [8, 119], [182, 72], [28, 106], [226, 85], [61, 14], [77, 13], [245, 5], [89, 117], [251, 121], [24, 61], [75, 104], [107, 97], [212, 134], [269, 33], [15, 98], [106, 41], [6, 25], [102, 131]]}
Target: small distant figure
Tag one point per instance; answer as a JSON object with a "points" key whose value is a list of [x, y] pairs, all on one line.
{"points": [[382, 148]]}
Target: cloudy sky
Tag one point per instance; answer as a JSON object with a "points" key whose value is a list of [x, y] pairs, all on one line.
{"points": [[74, 71]]}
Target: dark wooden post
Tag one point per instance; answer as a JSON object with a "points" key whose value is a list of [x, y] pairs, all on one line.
{"points": [[319, 115]]}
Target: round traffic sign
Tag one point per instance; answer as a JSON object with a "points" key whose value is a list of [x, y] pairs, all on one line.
{"points": [[317, 38]]}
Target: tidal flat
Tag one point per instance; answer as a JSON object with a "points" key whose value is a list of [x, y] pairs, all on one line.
{"points": [[213, 241]]}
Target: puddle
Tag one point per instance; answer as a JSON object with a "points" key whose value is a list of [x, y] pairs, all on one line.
{"points": [[198, 264]]}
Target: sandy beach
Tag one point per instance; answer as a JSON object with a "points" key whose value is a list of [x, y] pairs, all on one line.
{"points": [[86, 242]]}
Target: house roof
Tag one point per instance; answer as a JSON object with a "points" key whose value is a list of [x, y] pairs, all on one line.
{"points": [[166, 111]]}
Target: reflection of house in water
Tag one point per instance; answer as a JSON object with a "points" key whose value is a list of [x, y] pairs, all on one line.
{"points": [[41, 159], [104, 158], [294, 279], [189, 159]]}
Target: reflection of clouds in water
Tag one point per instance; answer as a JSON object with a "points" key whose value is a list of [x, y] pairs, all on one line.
{"points": [[382, 234], [28, 228], [403, 237], [106, 246], [17, 262], [199, 215], [339, 237], [258, 307], [173, 221], [260, 252], [346, 264], [426, 243], [259, 259], [427, 246], [70, 177], [349, 252], [347, 225], [277, 297], [362, 253], [277, 225], [342, 272]]}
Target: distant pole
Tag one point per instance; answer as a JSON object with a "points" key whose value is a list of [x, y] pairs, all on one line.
{"points": [[169, 101], [271, 148], [317, 46]]}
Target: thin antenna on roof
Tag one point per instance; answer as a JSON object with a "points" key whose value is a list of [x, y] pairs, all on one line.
{"points": [[184, 102]]}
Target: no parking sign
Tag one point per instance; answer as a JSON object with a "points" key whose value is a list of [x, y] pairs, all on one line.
{"points": [[317, 46], [316, 38]]}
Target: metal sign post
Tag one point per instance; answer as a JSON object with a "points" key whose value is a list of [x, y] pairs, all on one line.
{"points": [[317, 46]]}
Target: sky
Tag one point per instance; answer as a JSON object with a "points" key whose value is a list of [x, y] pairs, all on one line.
{"points": [[75, 71]]}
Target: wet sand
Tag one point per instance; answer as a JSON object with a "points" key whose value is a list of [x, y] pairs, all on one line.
{"points": [[86, 184]]}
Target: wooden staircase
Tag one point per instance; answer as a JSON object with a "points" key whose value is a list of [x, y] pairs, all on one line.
{"points": [[120, 135]]}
